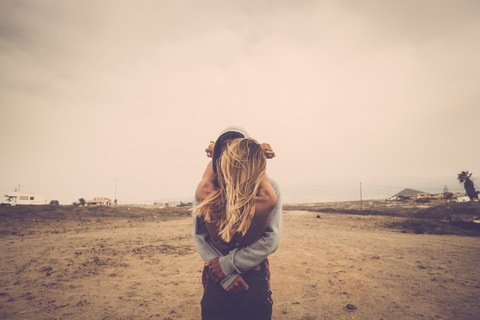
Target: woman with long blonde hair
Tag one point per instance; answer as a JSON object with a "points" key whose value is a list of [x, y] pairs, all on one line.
{"points": [[235, 204], [229, 210]]}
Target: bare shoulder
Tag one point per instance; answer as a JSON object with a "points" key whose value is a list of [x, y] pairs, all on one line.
{"points": [[266, 198], [265, 202]]}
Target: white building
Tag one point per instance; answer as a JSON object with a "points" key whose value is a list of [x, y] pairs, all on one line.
{"points": [[99, 201]]}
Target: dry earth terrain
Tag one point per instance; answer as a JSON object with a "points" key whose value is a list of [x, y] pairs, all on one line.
{"points": [[335, 261]]}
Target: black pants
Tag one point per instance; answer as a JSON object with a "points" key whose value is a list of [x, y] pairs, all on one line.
{"points": [[254, 304]]}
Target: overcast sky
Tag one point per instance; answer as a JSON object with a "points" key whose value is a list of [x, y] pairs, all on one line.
{"points": [[380, 92]]}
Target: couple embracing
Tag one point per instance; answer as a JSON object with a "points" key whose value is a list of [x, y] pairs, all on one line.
{"points": [[237, 225]]}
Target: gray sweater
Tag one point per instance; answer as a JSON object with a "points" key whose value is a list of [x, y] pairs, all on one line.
{"points": [[241, 260]]}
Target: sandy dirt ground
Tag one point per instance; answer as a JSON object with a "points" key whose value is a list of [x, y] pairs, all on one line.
{"points": [[328, 266]]}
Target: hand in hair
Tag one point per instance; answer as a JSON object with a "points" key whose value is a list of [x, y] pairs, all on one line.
{"points": [[215, 271], [267, 150], [238, 286]]}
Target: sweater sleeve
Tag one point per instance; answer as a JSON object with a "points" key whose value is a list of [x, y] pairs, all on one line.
{"points": [[201, 239]]}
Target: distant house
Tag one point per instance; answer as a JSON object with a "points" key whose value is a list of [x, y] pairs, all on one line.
{"points": [[408, 194], [99, 201], [463, 199]]}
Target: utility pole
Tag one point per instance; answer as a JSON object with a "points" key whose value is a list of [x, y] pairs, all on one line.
{"points": [[361, 200], [115, 201]]}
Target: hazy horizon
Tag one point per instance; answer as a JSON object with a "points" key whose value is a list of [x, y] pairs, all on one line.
{"points": [[290, 193], [383, 93]]}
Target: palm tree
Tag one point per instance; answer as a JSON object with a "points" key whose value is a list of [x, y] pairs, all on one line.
{"points": [[464, 177]]}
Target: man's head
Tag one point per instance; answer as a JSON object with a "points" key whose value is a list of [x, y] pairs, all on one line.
{"points": [[226, 135]]}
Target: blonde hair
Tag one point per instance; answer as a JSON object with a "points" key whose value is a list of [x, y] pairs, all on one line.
{"points": [[240, 169]]}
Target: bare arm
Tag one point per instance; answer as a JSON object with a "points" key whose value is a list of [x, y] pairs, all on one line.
{"points": [[206, 185], [266, 198]]}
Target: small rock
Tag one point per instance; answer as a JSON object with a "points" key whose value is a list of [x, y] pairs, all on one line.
{"points": [[351, 307]]}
